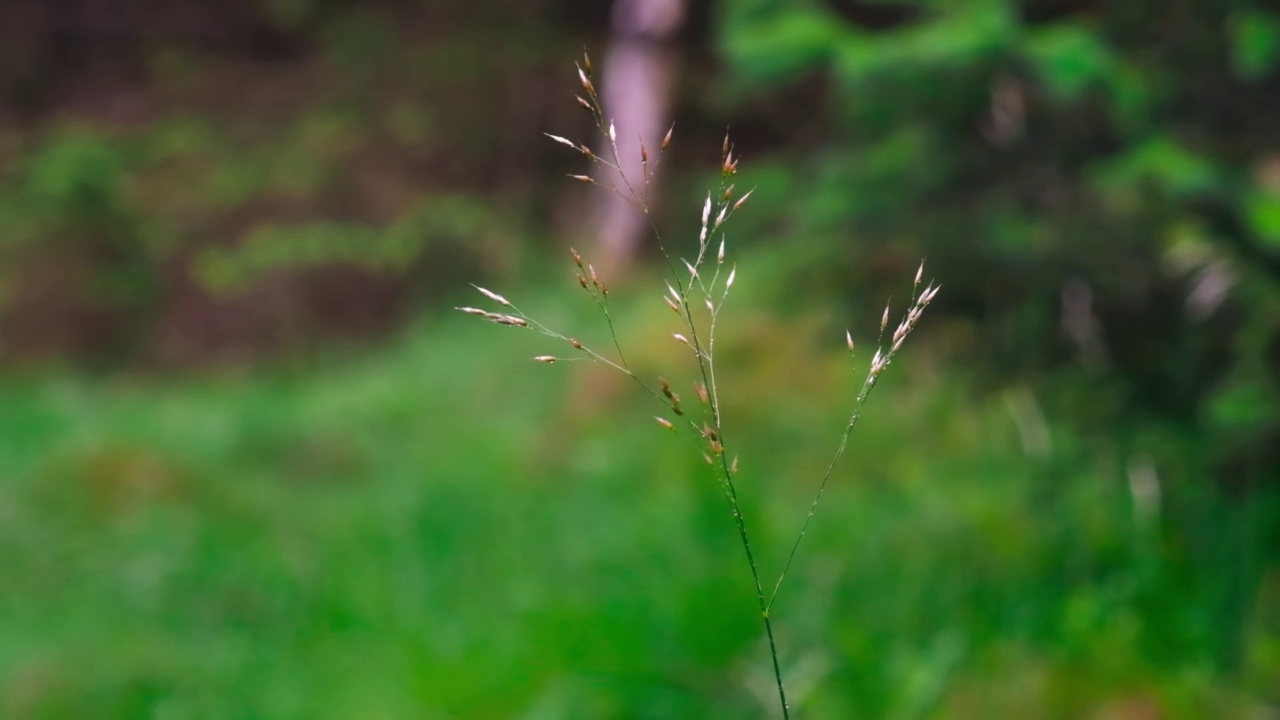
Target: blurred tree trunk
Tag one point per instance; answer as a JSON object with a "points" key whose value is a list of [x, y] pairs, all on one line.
{"points": [[636, 88]]}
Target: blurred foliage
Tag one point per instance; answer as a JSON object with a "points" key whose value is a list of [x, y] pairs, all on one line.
{"points": [[325, 545], [1029, 147]]}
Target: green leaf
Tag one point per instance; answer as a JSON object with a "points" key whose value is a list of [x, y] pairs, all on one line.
{"points": [[1255, 43], [1262, 210], [1069, 59], [1162, 161]]}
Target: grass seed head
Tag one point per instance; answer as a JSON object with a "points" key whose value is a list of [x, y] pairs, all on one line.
{"points": [[664, 423], [493, 296], [564, 141], [548, 359], [586, 82], [508, 320], [666, 139]]}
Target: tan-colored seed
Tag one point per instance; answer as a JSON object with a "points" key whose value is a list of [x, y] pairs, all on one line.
{"points": [[742, 199], [586, 62], [577, 345], [702, 393], [848, 339], [577, 259], [586, 83], [666, 139], [563, 141], [664, 422], [728, 193], [583, 178], [493, 296], [585, 104], [724, 146], [733, 468], [545, 359], [644, 154], [674, 308]]}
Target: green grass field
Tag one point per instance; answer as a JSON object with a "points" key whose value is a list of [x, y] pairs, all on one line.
{"points": [[442, 529]]}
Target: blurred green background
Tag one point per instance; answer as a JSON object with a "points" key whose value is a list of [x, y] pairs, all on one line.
{"points": [[253, 466]]}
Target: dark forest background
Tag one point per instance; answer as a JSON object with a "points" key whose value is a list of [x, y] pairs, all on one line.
{"points": [[251, 465]]}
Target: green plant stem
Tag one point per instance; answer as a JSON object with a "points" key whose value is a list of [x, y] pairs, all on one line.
{"points": [[755, 576], [732, 494]]}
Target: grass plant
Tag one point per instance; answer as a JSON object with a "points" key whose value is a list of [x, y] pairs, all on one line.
{"points": [[696, 292]]}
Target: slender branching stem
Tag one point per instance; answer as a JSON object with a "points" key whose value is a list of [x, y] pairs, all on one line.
{"points": [[702, 343]]}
